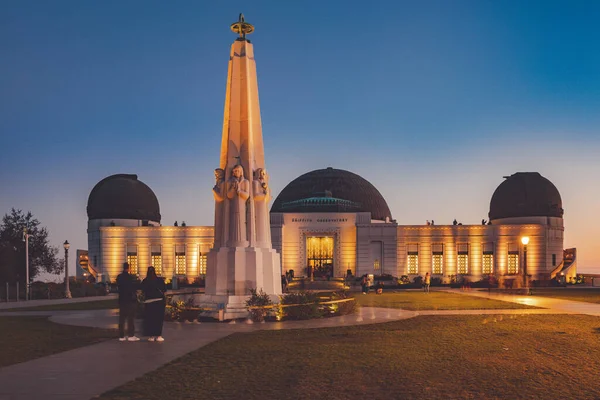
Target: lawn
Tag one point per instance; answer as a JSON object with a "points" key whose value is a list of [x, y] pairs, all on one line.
{"points": [[26, 338], [90, 305], [589, 295], [418, 300], [433, 357]]}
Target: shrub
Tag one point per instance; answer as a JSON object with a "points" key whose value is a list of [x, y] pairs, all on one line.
{"points": [[343, 308], [199, 281], [436, 281], [258, 305], [305, 305], [384, 277], [404, 280]]}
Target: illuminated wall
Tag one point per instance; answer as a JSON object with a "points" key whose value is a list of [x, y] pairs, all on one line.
{"points": [[159, 243], [472, 244]]}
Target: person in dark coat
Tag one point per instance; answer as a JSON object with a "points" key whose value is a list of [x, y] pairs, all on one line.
{"points": [[127, 305], [154, 289]]}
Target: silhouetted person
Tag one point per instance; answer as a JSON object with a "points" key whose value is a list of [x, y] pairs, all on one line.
{"points": [[127, 304], [154, 306], [455, 222], [432, 222]]}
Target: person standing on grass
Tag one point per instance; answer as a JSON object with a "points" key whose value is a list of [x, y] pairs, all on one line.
{"points": [[154, 289], [127, 305], [426, 282]]}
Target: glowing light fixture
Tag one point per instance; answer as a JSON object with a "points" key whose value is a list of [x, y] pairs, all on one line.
{"points": [[525, 240]]}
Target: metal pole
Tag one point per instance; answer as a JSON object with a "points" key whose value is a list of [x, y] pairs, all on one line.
{"points": [[26, 264], [525, 265], [7, 300], [17, 290], [67, 290]]}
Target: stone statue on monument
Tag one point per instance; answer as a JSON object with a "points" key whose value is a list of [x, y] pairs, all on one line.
{"points": [[219, 195], [238, 191], [262, 195]]}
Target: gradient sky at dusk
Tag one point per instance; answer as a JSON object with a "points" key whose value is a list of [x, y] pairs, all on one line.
{"points": [[431, 101]]}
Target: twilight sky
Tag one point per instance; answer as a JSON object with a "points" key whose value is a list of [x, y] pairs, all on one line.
{"points": [[431, 101]]}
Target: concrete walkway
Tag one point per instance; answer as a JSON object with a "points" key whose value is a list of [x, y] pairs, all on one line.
{"points": [[46, 302], [87, 372]]}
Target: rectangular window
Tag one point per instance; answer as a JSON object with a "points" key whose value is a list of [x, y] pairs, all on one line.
{"points": [[413, 258], [437, 258], [513, 259], [202, 264], [462, 261], [487, 264], [438, 264], [180, 268], [463, 264], [554, 260], [156, 258], [132, 259]]}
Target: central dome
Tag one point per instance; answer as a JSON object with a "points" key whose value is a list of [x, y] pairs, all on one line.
{"points": [[332, 190]]}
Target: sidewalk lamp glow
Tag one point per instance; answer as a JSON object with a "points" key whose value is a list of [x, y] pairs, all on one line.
{"points": [[525, 240]]}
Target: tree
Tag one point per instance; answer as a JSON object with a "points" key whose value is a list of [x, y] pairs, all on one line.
{"points": [[42, 256]]}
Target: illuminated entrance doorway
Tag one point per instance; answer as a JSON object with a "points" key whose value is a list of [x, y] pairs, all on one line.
{"points": [[319, 254]]}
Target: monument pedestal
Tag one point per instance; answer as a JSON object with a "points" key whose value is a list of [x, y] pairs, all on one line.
{"points": [[231, 273]]}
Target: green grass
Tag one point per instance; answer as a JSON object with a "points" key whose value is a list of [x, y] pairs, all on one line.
{"points": [[27, 338], [418, 300], [90, 305], [433, 357], [589, 295]]}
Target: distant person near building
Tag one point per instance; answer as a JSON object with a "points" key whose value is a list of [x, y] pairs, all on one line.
{"points": [[426, 282]]}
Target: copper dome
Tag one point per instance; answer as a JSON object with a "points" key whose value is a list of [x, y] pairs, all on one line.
{"points": [[123, 196], [332, 190], [526, 194]]}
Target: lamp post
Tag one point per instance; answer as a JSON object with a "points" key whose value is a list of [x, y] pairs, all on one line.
{"points": [[84, 283], [66, 245], [26, 240], [525, 241]]}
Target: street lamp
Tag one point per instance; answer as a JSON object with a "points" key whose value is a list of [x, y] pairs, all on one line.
{"points": [[26, 240], [525, 241], [84, 283], [66, 245]]}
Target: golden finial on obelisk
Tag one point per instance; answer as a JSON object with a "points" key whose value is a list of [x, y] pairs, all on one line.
{"points": [[242, 28]]}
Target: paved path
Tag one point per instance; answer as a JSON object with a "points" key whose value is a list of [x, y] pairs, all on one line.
{"points": [[92, 370], [46, 302], [87, 372], [558, 306]]}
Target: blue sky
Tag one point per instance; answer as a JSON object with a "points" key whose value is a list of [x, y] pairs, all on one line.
{"points": [[431, 101]]}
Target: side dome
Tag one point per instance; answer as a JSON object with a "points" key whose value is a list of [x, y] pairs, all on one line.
{"points": [[332, 190], [123, 196], [526, 194]]}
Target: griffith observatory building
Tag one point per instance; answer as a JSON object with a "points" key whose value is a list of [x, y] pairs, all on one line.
{"points": [[333, 221]]}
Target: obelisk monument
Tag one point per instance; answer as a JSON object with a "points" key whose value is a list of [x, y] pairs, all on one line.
{"points": [[242, 257]]}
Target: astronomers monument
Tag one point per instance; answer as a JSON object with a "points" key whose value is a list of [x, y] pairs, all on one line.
{"points": [[242, 257]]}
